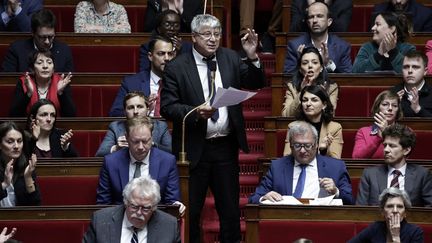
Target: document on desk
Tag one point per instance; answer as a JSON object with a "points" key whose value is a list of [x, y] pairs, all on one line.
{"points": [[326, 201], [286, 200], [230, 96]]}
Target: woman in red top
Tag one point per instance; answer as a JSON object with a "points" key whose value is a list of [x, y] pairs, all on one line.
{"points": [[42, 83]]}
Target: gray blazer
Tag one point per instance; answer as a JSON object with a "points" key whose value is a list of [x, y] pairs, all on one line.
{"points": [[106, 224], [418, 185], [161, 137]]}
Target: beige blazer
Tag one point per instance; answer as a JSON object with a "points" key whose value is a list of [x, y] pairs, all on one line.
{"points": [[292, 99], [334, 129]]}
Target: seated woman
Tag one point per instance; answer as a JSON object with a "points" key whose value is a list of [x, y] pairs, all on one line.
{"points": [[17, 175], [42, 83], [387, 49], [48, 141], [317, 109], [135, 105], [428, 52], [310, 71], [101, 16], [386, 110], [393, 205]]}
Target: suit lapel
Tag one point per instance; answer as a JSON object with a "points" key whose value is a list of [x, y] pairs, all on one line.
{"points": [[153, 228], [145, 84], [116, 225], [289, 172], [382, 178], [124, 170], [410, 178], [222, 63], [154, 164], [194, 78]]}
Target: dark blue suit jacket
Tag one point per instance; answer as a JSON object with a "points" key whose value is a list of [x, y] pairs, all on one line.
{"points": [[279, 178], [17, 56], [421, 15], [22, 21], [144, 50], [339, 52], [114, 176], [136, 82]]}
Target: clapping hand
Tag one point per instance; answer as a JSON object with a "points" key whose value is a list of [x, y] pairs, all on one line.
{"points": [[63, 83], [300, 49], [325, 53], [414, 100], [66, 139], [12, 6], [35, 128], [5, 237], [387, 44], [29, 85], [8, 174], [31, 166], [328, 139], [381, 122]]}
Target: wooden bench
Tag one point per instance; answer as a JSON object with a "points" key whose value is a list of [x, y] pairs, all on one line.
{"points": [[271, 224], [275, 129], [66, 224]]}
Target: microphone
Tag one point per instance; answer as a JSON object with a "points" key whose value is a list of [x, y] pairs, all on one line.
{"points": [[212, 66]]}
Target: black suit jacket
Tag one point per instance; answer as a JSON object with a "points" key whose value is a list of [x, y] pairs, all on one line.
{"points": [[182, 91], [19, 52]]}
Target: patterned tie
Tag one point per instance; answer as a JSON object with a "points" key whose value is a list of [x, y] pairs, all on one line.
{"points": [[134, 235], [157, 106], [300, 183], [137, 172], [395, 181], [211, 66]]}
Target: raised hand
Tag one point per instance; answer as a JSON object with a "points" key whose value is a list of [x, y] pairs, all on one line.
{"points": [[122, 142], [307, 81], [414, 99], [328, 139], [325, 53], [328, 185], [177, 43], [249, 43], [28, 84], [381, 122], [35, 128], [393, 224], [12, 6], [401, 93], [152, 102], [30, 167], [66, 139], [8, 174], [63, 83], [300, 49], [5, 237], [387, 44]]}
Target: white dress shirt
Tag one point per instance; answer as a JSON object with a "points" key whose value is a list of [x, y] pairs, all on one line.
{"points": [[401, 178], [127, 232], [312, 186]]}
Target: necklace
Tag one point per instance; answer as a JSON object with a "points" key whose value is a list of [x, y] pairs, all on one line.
{"points": [[42, 93]]}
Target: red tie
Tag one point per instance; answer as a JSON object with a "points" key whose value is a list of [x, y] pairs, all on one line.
{"points": [[157, 106], [395, 181]]}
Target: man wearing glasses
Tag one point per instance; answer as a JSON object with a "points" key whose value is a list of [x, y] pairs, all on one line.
{"points": [[214, 136], [304, 173], [136, 220], [43, 39], [140, 158]]}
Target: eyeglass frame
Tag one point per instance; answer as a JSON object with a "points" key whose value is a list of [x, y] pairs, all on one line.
{"points": [[141, 209], [217, 35], [299, 146]]}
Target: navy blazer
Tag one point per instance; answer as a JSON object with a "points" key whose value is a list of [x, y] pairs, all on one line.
{"points": [[144, 50], [339, 52], [418, 185], [135, 82], [19, 52], [114, 176], [279, 178], [421, 15], [22, 21], [160, 135], [377, 232]]}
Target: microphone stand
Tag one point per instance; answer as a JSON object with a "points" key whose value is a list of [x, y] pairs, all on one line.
{"points": [[182, 153]]}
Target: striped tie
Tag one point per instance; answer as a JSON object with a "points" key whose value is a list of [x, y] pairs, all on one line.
{"points": [[135, 235], [395, 181]]}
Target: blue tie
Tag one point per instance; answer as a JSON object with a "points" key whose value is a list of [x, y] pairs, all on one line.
{"points": [[300, 183], [211, 66], [135, 235]]}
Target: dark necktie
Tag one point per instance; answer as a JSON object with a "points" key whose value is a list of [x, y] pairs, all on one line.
{"points": [[137, 172], [134, 235], [395, 181], [211, 66], [300, 182], [157, 105]]}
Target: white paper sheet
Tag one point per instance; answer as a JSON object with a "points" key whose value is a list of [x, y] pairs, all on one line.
{"points": [[286, 200], [326, 201], [230, 96]]}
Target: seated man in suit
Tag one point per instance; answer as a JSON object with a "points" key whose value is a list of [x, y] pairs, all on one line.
{"points": [[139, 158], [334, 51], [420, 15], [16, 14], [43, 39], [398, 140], [304, 173], [136, 220], [414, 92], [147, 81], [135, 105], [168, 26]]}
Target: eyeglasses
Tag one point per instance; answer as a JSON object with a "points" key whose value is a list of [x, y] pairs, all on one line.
{"points": [[299, 146], [142, 209], [208, 35]]}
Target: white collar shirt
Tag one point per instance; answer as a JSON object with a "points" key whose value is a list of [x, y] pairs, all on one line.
{"points": [[144, 167], [312, 186], [127, 232], [401, 178]]}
